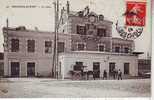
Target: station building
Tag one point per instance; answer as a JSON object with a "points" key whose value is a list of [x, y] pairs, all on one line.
{"points": [[84, 39]]}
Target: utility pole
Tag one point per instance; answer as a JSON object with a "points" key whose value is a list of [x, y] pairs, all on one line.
{"points": [[58, 19], [55, 54], [7, 26], [53, 58], [56, 65], [7, 48]]}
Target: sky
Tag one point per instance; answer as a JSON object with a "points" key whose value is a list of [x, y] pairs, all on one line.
{"points": [[42, 16]]}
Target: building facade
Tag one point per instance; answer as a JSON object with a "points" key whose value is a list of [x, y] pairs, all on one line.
{"points": [[29, 53], [84, 39], [144, 65]]}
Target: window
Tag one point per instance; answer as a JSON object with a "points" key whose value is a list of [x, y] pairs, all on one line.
{"points": [[80, 46], [15, 45], [81, 30], [48, 46], [101, 47], [101, 32], [117, 49], [126, 50], [31, 45], [1, 56], [77, 66], [61, 46], [126, 68]]}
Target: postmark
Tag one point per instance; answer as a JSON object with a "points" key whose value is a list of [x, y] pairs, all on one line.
{"points": [[134, 20]]}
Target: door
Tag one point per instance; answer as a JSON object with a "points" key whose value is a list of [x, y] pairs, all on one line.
{"points": [[126, 68], [111, 67], [31, 69], [96, 69], [15, 69], [1, 69]]}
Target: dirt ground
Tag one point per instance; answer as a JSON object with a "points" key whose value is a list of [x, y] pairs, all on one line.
{"points": [[46, 87]]}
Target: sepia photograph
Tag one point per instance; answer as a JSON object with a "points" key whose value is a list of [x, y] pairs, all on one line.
{"points": [[75, 48]]}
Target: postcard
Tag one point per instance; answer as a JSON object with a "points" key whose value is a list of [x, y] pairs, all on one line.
{"points": [[75, 48]]}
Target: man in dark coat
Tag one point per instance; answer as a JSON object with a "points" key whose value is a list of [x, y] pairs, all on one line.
{"points": [[119, 74], [104, 74]]}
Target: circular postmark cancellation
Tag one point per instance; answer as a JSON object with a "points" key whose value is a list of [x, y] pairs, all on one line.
{"points": [[129, 32], [134, 22]]}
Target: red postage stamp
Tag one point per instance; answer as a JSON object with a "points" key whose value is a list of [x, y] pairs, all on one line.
{"points": [[135, 13]]}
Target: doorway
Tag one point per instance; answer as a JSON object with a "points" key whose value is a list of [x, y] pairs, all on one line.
{"points": [[1, 69], [96, 69], [15, 69], [31, 69], [111, 67], [126, 68]]}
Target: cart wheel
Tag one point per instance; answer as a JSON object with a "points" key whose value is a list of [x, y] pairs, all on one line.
{"points": [[77, 76]]}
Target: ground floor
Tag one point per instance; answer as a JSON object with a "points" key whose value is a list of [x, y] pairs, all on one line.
{"points": [[97, 63], [89, 62], [47, 87], [28, 67]]}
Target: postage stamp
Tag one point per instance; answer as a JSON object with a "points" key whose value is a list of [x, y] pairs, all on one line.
{"points": [[135, 20], [135, 13]]}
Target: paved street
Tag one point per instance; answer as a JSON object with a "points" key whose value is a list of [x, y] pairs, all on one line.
{"points": [[45, 87]]}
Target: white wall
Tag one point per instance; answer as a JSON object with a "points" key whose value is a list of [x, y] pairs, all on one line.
{"points": [[69, 60]]}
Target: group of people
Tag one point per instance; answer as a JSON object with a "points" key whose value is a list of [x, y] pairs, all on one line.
{"points": [[116, 74]]}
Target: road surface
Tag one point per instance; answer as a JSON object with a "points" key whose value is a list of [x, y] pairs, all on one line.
{"points": [[46, 87]]}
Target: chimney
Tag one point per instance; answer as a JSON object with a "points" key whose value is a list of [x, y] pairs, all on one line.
{"points": [[68, 7]]}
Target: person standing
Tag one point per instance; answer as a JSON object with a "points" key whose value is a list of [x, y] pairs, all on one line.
{"points": [[114, 73], [119, 74], [86, 72], [104, 74], [82, 73]]}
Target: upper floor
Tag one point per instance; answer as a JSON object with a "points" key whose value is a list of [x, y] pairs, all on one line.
{"points": [[85, 22], [23, 41]]}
